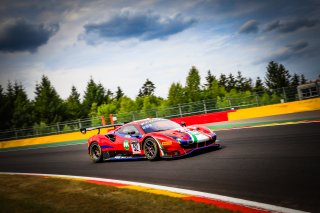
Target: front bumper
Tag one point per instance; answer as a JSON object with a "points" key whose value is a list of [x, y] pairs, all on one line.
{"points": [[186, 152]]}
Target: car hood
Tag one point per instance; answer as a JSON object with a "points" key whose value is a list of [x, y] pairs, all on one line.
{"points": [[186, 135]]}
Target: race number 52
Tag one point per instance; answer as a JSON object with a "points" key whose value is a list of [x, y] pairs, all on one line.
{"points": [[135, 148]]}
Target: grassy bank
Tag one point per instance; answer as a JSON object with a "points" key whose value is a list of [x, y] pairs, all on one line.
{"points": [[39, 194]]}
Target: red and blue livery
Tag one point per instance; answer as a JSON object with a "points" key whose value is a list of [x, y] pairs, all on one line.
{"points": [[151, 138]]}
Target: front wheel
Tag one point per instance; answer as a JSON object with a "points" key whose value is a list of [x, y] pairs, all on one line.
{"points": [[95, 152], [151, 149]]}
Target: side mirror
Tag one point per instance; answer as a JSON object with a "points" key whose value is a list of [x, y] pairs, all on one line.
{"points": [[183, 124], [83, 131]]}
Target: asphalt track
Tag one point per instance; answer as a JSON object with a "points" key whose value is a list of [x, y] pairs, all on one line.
{"points": [[278, 165]]}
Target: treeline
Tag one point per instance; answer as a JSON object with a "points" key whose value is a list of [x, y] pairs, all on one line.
{"points": [[18, 111]]}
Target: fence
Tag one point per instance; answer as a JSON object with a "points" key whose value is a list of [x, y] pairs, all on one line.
{"points": [[200, 107]]}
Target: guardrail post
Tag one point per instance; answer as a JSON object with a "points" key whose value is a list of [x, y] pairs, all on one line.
{"points": [[257, 100], [180, 111], [229, 103], [80, 125], [284, 94], [204, 107], [58, 127], [15, 133], [133, 117], [156, 112]]}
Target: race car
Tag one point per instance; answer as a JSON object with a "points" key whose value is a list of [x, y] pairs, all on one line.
{"points": [[151, 138]]}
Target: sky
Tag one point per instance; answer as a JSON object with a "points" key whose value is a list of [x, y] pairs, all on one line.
{"points": [[124, 42]]}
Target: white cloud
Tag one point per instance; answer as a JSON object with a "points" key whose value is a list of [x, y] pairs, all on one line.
{"points": [[211, 44]]}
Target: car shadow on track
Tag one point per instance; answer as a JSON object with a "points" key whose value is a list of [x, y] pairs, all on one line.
{"points": [[193, 154], [196, 153]]}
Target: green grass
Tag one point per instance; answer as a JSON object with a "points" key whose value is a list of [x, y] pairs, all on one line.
{"points": [[38, 194]]}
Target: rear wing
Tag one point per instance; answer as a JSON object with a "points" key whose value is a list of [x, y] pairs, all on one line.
{"points": [[84, 130]]}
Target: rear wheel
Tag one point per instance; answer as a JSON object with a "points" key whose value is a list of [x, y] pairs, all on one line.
{"points": [[95, 153], [151, 149]]}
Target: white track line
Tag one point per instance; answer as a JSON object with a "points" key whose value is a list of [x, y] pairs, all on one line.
{"points": [[227, 199]]}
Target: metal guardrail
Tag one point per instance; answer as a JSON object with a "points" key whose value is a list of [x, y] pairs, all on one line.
{"points": [[186, 109], [43, 130]]}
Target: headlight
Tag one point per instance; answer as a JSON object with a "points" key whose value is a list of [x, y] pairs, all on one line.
{"points": [[174, 137]]}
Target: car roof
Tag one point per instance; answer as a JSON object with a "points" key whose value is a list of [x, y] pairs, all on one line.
{"points": [[139, 122]]}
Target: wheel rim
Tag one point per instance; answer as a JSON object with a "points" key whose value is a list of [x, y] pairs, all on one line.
{"points": [[95, 152], [150, 149]]}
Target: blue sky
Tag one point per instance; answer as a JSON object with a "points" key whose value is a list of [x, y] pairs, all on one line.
{"points": [[122, 43]]}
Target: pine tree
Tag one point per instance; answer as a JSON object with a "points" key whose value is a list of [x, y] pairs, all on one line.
{"points": [[259, 88], [209, 79], [277, 76], [222, 80], [240, 82], [48, 106], [7, 107], [147, 89], [73, 105], [295, 80], [119, 93], [192, 89], [247, 86], [2, 108], [303, 79], [231, 82], [95, 93], [22, 115], [109, 96]]}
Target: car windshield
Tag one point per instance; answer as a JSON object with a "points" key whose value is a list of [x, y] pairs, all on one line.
{"points": [[157, 125]]}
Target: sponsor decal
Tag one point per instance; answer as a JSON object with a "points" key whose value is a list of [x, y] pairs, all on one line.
{"points": [[167, 143], [198, 137], [126, 145]]}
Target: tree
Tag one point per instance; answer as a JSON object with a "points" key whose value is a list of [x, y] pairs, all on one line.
{"points": [[192, 88], [126, 105], [109, 96], [48, 106], [22, 115], [73, 105], [222, 80], [147, 89], [209, 79], [231, 82], [303, 79], [2, 109], [277, 76], [149, 103], [95, 93], [107, 109], [247, 85], [176, 94], [295, 80], [119, 93], [7, 107], [259, 88], [239, 81]]}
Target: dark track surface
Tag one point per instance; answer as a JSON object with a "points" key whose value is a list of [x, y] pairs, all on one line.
{"points": [[277, 165]]}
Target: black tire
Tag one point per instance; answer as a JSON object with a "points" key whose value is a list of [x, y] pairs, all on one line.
{"points": [[95, 152], [151, 149]]}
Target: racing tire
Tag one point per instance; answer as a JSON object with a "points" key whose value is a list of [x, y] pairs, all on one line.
{"points": [[151, 149], [95, 152]]}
